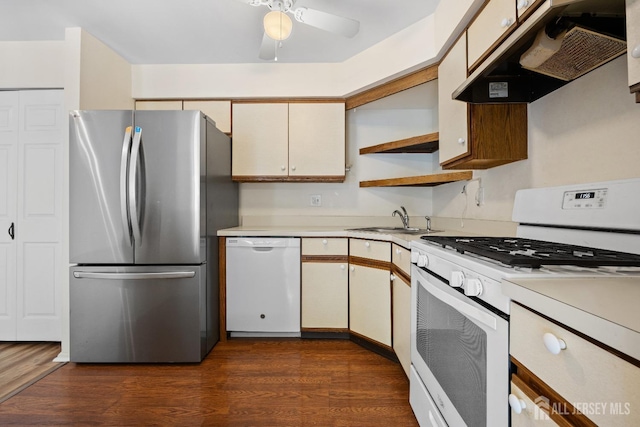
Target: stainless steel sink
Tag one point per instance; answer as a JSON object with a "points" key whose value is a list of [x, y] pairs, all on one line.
{"points": [[396, 230]]}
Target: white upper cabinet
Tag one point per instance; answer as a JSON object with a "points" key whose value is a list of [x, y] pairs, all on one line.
{"points": [[452, 114], [633, 44], [316, 139], [260, 140], [219, 111], [288, 142], [490, 26]]}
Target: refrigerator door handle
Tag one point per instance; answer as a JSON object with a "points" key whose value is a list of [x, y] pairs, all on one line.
{"points": [[135, 276], [133, 172], [124, 209]]}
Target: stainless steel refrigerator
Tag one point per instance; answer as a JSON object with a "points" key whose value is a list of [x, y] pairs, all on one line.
{"points": [[148, 192]]}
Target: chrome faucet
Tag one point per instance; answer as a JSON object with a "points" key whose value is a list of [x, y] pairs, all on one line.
{"points": [[403, 216], [428, 218]]}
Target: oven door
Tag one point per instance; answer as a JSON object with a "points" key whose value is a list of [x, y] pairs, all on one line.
{"points": [[459, 349]]}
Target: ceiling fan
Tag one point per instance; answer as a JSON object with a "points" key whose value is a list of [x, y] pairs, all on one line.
{"points": [[278, 25]]}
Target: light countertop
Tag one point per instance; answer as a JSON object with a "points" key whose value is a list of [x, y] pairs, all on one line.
{"points": [[604, 308], [403, 240]]}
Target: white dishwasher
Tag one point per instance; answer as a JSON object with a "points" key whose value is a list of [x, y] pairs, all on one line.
{"points": [[263, 286]]}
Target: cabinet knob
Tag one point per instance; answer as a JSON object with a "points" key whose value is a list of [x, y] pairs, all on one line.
{"points": [[293, 168], [324, 241], [553, 343], [523, 3], [461, 140], [516, 403], [342, 267], [352, 268], [367, 244], [392, 277], [636, 52], [283, 167], [506, 22], [398, 251]]}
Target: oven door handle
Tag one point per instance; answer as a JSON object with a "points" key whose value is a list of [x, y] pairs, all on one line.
{"points": [[464, 307]]}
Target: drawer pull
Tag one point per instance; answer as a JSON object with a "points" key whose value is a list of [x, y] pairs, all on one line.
{"points": [[324, 242], [517, 404], [553, 343], [367, 244]]}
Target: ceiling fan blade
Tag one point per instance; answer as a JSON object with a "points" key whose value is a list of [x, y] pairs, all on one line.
{"points": [[328, 22], [267, 48]]}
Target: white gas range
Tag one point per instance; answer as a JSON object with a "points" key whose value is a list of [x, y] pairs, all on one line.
{"points": [[460, 317]]}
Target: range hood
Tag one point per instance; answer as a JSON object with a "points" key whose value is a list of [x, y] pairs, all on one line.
{"points": [[559, 42]]}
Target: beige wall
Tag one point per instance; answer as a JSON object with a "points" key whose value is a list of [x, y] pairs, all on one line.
{"points": [[32, 65], [587, 131]]}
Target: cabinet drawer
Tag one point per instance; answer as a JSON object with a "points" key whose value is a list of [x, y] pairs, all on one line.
{"points": [[372, 249], [531, 415], [584, 374], [324, 246], [401, 258]]}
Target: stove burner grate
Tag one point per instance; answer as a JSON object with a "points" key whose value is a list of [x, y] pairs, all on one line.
{"points": [[520, 252]]}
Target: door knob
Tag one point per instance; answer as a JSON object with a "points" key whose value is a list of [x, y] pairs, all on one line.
{"points": [[12, 231]]}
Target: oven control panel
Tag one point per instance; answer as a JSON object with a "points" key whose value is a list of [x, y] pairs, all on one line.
{"points": [[585, 199]]}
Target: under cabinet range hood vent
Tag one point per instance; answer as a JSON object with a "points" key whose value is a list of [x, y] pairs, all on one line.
{"points": [[559, 42]]}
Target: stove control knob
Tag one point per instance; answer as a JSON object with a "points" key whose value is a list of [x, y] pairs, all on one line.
{"points": [[473, 287], [423, 261], [414, 256], [457, 279]]}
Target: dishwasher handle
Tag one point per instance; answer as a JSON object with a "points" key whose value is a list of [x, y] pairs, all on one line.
{"points": [[134, 276]]}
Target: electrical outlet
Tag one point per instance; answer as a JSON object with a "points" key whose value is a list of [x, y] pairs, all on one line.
{"points": [[315, 200]]}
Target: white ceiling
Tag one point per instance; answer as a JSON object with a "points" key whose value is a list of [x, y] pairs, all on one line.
{"points": [[205, 31]]}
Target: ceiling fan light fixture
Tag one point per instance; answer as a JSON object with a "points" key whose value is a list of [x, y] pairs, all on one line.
{"points": [[277, 25]]}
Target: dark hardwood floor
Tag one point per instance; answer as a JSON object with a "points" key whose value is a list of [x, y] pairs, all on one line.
{"points": [[240, 383]]}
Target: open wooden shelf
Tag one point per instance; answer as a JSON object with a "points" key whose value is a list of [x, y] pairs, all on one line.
{"points": [[420, 181], [418, 144]]}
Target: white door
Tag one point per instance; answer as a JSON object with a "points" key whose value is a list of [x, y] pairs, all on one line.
{"points": [[32, 196], [39, 226], [9, 112]]}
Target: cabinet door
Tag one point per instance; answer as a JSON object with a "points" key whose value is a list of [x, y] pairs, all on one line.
{"points": [[325, 295], [402, 322], [633, 42], [494, 22], [39, 225], [316, 139], [370, 303], [158, 105], [260, 140], [9, 112], [452, 114], [219, 111]]}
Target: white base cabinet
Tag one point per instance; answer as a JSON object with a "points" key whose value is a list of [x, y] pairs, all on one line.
{"points": [[325, 284], [32, 127], [370, 290]]}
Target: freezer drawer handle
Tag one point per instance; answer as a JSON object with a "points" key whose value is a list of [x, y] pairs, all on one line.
{"points": [[12, 230], [135, 276]]}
